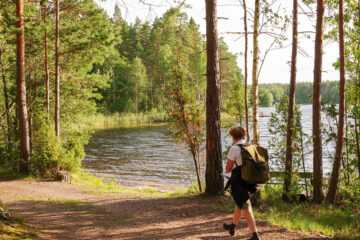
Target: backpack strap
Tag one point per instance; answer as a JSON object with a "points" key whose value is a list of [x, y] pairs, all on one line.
{"points": [[241, 146]]}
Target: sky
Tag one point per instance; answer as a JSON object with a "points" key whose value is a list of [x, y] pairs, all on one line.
{"points": [[276, 67]]}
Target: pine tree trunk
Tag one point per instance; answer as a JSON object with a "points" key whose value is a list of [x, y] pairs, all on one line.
{"points": [[47, 77], [6, 99], [255, 99], [214, 182], [30, 119], [57, 76], [21, 90], [317, 144], [246, 73], [330, 198], [357, 97], [290, 120]]}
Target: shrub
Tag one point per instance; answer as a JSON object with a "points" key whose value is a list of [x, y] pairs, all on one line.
{"points": [[46, 148]]}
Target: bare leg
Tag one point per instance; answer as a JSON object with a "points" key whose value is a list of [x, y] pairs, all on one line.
{"points": [[250, 220], [237, 215]]}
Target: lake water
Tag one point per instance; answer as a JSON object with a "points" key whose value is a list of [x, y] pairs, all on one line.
{"points": [[149, 156]]}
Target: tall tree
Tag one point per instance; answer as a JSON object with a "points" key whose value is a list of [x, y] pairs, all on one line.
{"points": [[255, 99], [6, 98], [317, 144], [57, 76], [290, 119], [330, 198], [21, 89], [214, 181], [246, 72], [357, 102], [46, 62]]}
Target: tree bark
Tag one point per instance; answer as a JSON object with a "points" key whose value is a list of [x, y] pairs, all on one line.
{"points": [[330, 198], [57, 77], [357, 99], [214, 181], [47, 77], [21, 90], [246, 73], [255, 99], [30, 119], [317, 144], [6, 99], [290, 120]]}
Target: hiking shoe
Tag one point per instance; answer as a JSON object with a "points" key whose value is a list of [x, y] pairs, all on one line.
{"points": [[255, 236], [230, 228]]}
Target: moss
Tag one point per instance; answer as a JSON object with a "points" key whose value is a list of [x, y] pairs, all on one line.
{"points": [[16, 228]]}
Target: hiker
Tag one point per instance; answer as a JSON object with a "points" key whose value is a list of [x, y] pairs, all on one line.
{"points": [[240, 190]]}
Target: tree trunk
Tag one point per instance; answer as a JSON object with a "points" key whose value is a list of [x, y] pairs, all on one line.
{"points": [[30, 119], [357, 97], [330, 198], [47, 78], [57, 77], [214, 181], [246, 73], [317, 144], [6, 99], [255, 99], [21, 90], [290, 120]]}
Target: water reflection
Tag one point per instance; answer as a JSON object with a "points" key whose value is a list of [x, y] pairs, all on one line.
{"points": [[148, 155]]}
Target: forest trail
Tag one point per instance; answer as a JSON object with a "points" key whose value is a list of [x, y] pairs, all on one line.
{"points": [[65, 211]]}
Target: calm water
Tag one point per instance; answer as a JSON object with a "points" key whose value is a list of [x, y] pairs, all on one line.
{"points": [[148, 155]]}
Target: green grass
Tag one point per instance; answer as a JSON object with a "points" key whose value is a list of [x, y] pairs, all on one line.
{"points": [[16, 228], [328, 220], [107, 186], [6, 174], [100, 121], [306, 217]]}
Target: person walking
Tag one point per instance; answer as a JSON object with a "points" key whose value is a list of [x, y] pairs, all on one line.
{"points": [[240, 190]]}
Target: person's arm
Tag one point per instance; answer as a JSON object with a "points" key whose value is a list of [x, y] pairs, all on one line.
{"points": [[229, 165]]}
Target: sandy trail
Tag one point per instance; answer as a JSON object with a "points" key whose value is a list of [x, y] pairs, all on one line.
{"points": [[65, 211]]}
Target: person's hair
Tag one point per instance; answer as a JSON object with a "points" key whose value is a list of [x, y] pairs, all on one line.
{"points": [[237, 132]]}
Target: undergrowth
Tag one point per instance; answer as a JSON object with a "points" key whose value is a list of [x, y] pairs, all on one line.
{"points": [[16, 228]]}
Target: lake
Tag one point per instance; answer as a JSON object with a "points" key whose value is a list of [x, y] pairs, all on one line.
{"points": [[149, 156]]}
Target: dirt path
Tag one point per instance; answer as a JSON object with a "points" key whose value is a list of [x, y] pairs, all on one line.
{"points": [[65, 211]]}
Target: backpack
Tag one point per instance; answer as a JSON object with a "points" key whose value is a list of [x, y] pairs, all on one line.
{"points": [[255, 164]]}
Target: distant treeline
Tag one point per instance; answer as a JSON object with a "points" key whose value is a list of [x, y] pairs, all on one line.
{"points": [[271, 93]]}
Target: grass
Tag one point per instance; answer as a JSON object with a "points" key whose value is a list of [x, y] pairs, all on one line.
{"points": [[16, 228], [6, 174], [107, 186], [100, 121], [306, 217], [328, 220]]}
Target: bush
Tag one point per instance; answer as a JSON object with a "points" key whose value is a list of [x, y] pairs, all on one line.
{"points": [[73, 154], [46, 148], [49, 155]]}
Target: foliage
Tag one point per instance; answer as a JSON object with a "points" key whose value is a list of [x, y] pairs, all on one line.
{"points": [[83, 44], [185, 86], [266, 99], [303, 91], [329, 220], [277, 144], [46, 148]]}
